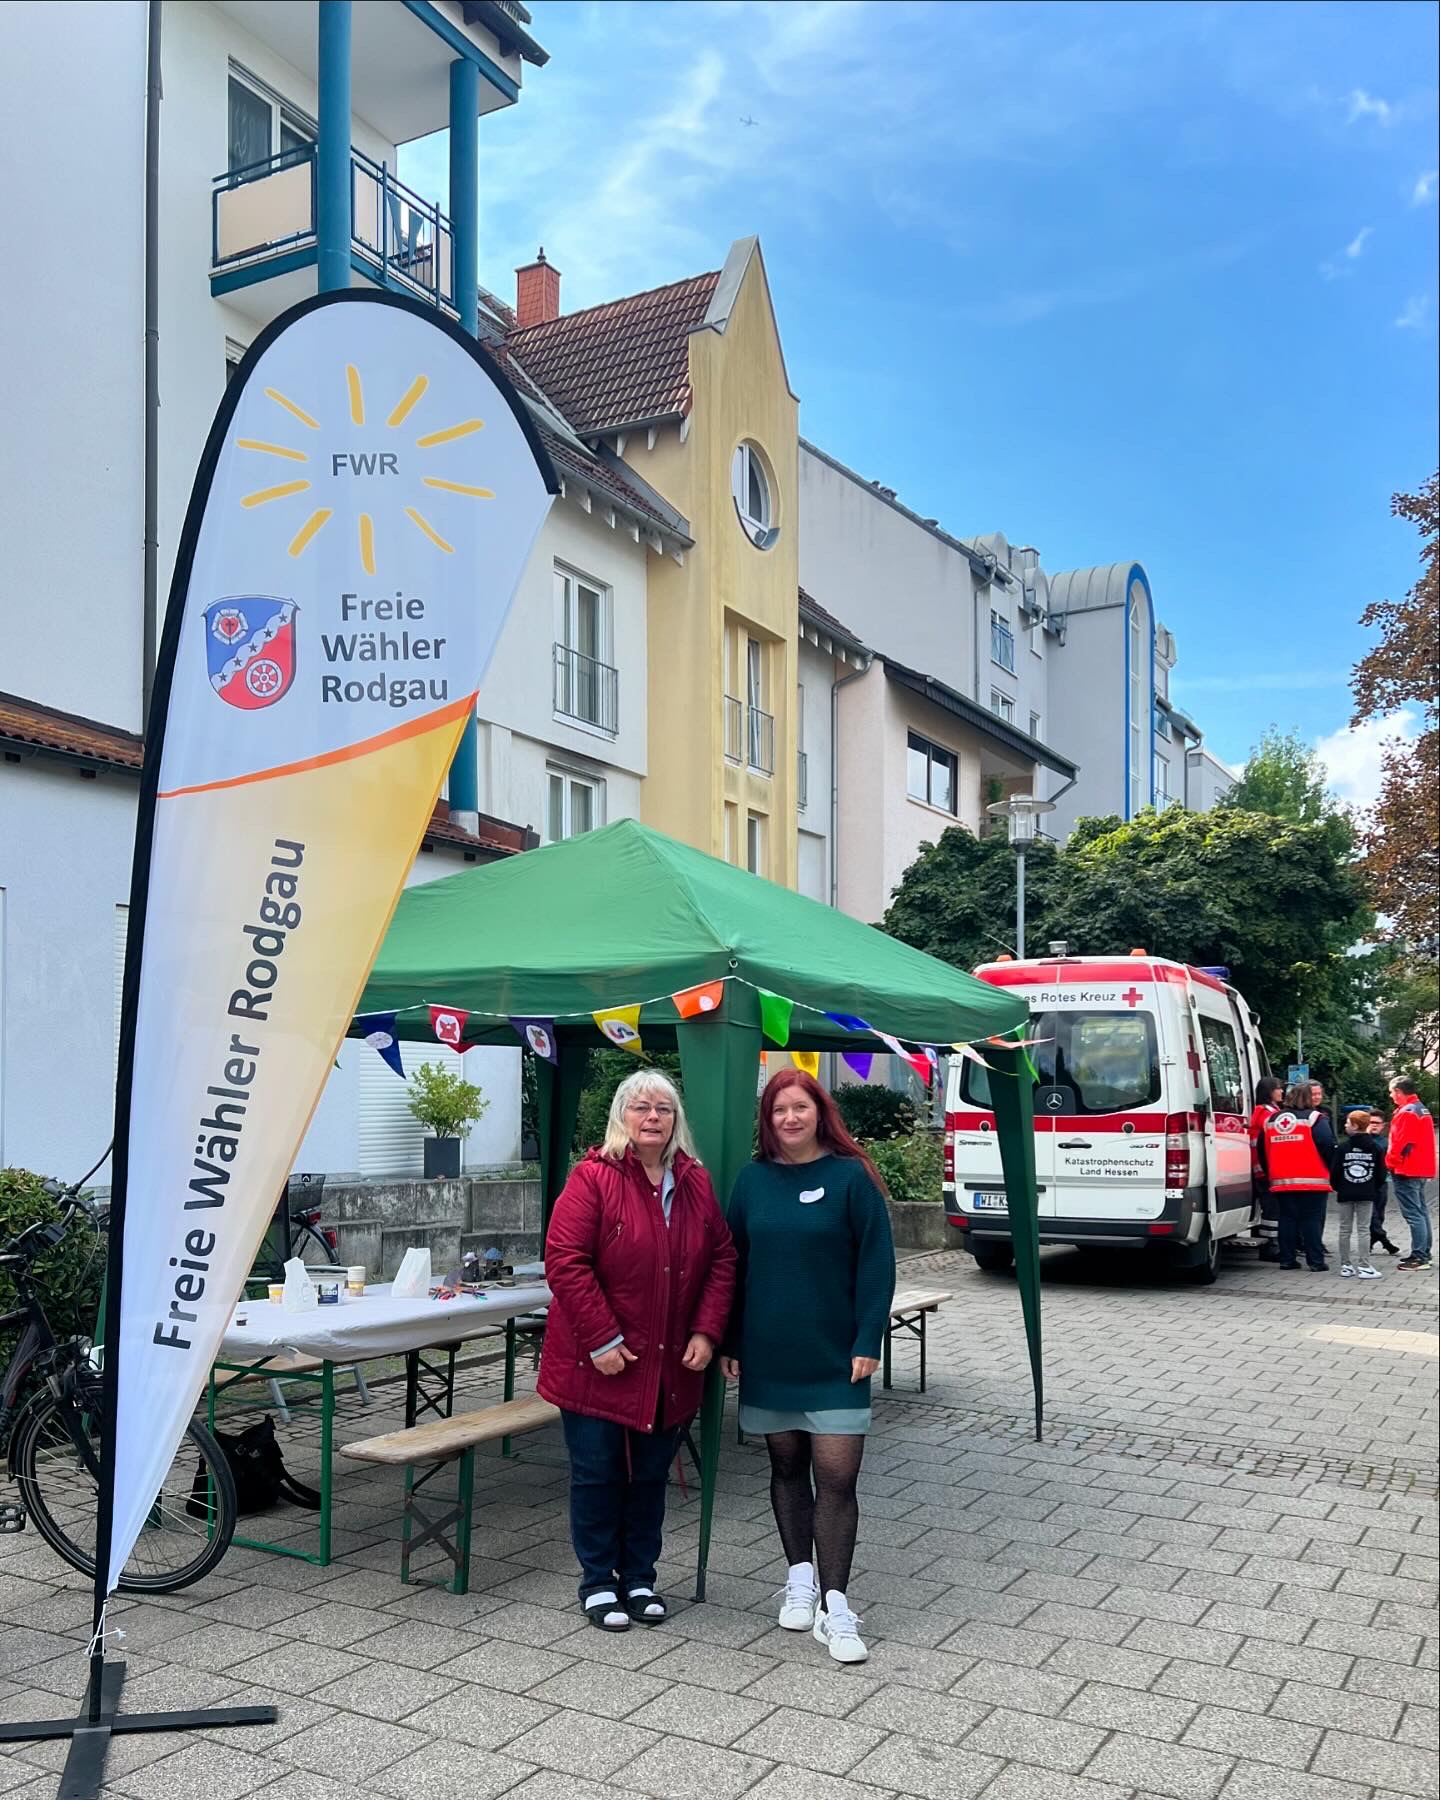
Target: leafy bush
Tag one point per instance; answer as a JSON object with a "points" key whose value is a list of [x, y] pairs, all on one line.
{"points": [[912, 1166], [874, 1112], [69, 1276], [445, 1102]]}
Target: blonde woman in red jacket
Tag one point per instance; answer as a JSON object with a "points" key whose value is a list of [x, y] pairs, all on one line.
{"points": [[642, 1268]]}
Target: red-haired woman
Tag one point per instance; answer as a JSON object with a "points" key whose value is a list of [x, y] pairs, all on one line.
{"points": [[815, 1281]]}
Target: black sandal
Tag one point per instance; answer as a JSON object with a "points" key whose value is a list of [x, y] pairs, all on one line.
{"points": [[599, 1605], [639, 1604]]}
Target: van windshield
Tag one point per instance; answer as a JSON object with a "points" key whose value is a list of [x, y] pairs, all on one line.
{"points": [[1110, 1060]]}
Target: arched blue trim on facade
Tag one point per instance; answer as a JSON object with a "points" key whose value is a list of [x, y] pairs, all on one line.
{"points": [[1134, 573]]}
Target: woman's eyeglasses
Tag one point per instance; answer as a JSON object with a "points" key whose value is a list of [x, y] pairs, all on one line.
{"points": [[645, 1106]]}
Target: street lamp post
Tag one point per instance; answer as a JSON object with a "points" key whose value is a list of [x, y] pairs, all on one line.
{"points": [[1021, 813]]}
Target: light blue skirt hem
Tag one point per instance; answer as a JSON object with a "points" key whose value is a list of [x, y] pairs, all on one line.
{"points": [[836, 1421]]}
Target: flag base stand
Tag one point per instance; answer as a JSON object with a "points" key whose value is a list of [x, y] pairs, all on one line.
{"points": [[90, 1738]]}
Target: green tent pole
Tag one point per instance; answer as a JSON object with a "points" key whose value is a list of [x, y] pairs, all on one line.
{"points": [[1013, 1100], [557, 1091], [720, 1065]]}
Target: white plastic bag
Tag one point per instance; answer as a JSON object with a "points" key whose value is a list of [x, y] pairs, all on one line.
{"points": [[412, 1279], [299, 1295]]}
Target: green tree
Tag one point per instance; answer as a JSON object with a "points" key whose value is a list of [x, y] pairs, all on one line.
{"points": [[957, 899], [1284, 777], [1277, 901]]}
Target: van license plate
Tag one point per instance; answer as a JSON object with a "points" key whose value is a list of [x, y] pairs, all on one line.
{"points": [[991, 1203]]}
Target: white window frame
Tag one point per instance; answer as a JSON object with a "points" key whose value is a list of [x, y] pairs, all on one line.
{"points": [[284, 114], [567, 582], [572, 777], [1001, 636], [756, 843], [1002, 705], [748, 458], [1035, 723]]}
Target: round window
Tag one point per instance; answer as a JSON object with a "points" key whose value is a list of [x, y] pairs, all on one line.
{"points": [[750, 489]]}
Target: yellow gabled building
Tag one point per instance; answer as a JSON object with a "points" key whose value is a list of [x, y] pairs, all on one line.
{"points": [[686, 385]]}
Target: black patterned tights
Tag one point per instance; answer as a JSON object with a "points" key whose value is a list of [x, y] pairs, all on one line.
{"points": [[812, 1489]]}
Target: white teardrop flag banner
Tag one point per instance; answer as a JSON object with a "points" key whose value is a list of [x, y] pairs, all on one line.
{"points": [[366, 503]]}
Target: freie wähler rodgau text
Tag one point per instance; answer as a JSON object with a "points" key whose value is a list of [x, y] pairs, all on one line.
{"points": [[369, 643], [220, 1133]]}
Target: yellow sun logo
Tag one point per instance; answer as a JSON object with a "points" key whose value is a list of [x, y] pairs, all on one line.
{"points": [[362, 463]]}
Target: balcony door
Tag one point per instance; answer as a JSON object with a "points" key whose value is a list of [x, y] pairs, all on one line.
{"points": [[262, 125], [585, 682]]}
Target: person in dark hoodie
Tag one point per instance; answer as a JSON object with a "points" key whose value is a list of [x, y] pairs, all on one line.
{"points": [[1296, 1145], [1357, 1173]]}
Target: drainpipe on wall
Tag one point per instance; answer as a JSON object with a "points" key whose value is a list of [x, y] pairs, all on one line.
{"points": [[462, 783], [150, 576], [835, 687], [332, 149]]}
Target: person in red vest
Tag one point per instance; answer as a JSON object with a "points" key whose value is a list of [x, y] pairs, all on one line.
{"points": [[1268, 1090], [1296, 1146], [1410, 1159]]}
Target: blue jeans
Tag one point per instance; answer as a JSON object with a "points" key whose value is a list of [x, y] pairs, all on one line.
{"points": [[1410, 1192], [617, 1500]]}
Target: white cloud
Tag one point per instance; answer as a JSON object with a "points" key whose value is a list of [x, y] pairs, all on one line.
{"points": [[1333, 267], [1425, 188], [1367, 106], [1415, 313], [1352, 756]]}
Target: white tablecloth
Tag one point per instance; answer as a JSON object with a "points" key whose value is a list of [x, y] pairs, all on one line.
{"points": [[374, 1324]]}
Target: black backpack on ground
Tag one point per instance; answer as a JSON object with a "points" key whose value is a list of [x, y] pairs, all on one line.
{"points": [[258, 1468]]}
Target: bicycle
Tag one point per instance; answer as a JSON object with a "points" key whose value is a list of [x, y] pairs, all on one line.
{"points": [[314, 1243], [52, 1439]]}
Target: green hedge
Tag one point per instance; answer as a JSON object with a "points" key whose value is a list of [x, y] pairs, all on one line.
{"points": [[69, 1277], [912, 1165]]}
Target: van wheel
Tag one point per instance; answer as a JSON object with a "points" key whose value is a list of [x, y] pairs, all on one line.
{"points": [[1200, 1263], [995, 1259]]}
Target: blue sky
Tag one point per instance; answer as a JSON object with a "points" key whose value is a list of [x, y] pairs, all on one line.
{"points": [[1118, 280]]}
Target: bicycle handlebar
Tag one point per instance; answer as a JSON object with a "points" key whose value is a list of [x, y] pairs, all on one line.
{"points": [[45, 1234]]}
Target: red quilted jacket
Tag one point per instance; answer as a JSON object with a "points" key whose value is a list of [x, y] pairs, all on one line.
{"points": [[616, 1269]]}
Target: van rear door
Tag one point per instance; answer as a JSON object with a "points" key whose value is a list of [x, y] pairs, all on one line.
{"points": [[976, 1173]]}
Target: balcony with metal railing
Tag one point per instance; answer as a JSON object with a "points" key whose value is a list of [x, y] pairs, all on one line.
{"points": [[760, 741], [1002, 644], [262, 229], [586, 689]]}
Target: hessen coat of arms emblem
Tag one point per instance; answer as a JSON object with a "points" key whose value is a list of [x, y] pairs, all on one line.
{"points": [[250, 649]]}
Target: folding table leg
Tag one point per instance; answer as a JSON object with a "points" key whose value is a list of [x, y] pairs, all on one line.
{"points": [[885, 1354], [505, 1443], [327, 1442], [432, 1526], [923, 1319]]}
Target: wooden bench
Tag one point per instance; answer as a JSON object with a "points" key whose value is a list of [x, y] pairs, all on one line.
{"points": [[438, 1444], [909, 1311]]}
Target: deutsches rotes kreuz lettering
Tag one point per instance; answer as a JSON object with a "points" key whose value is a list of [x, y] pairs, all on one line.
{"points": [[364, 640]]}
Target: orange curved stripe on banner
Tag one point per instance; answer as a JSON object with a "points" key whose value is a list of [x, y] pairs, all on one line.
{"points": [[347, 752]]}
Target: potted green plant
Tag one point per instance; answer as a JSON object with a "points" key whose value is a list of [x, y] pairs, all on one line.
{"points": [[449, 1106]]}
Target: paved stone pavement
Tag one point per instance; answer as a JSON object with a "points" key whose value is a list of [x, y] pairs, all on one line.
{"points": [[1214, 1580]]}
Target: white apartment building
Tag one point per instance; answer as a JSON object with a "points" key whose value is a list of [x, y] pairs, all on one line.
{"points": [[987, 678], [277, 129]]}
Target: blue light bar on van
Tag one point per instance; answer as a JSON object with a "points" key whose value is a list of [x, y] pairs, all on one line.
{"points": [[1218, 970]]}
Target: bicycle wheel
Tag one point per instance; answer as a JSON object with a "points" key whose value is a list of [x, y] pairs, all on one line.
{"points": [[312, 1246], [188, 1529]]}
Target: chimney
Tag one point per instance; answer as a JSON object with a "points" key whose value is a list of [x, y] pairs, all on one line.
{"points": [[537, 292]]}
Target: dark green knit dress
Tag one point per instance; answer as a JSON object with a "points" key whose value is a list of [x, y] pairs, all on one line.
{"points": [[813, 1289]]}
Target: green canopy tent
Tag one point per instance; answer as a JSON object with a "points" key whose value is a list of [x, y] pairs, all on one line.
{"points": [[626, 916]]}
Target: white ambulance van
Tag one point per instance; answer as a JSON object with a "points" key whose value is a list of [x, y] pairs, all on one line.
{"points": [[1147, 1078]]}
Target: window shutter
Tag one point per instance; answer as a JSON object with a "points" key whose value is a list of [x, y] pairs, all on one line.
{"points": [[391, 1139]]}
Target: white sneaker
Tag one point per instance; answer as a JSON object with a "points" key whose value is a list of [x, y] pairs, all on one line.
{"points": [[1347, 1268], [797, 1609], [840, 1633], [1368, 1274]]}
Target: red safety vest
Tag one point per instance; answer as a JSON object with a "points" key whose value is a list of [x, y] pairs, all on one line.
{"points": [[1293, 1163]]}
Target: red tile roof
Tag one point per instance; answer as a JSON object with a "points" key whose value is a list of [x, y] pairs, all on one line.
{"points": [[624, 363], [45, 728], [811, 606]]}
